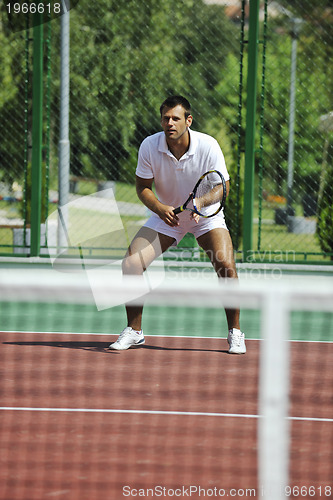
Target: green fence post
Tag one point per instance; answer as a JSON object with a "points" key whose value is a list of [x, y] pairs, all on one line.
{"points": [[250, 129], [37, 129]]}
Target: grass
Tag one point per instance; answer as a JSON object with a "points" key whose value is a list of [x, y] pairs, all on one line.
{"points": [[276, 238], [95, 233], [123, 191]]}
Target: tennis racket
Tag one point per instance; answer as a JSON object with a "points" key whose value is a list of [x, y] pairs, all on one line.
{"points": [[208, 196]]}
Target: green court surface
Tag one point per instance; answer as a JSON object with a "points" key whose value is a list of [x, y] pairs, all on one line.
{"points": [[161, 320]]}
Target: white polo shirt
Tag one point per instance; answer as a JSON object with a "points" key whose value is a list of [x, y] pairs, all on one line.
{"points": [[175, 179]]}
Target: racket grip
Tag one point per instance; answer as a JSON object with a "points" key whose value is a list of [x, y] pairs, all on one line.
{"points": [[177, 210]]}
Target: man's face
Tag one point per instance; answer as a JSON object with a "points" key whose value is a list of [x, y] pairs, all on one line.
{"points": [[174, 123]]}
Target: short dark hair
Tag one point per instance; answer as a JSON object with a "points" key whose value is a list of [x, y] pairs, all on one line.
{"points": [[176, 100]]}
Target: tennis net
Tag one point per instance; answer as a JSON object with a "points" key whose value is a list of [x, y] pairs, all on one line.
{"points": [[179, 416]]}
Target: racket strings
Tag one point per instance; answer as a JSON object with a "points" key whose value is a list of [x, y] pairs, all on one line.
{"points": [[209, 194]]}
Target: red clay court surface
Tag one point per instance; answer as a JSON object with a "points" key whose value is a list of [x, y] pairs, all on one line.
{"points": [[95, 424]]}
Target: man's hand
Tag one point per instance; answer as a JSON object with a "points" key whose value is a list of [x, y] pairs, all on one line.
{"points": [[165, 212], [195, 217]]}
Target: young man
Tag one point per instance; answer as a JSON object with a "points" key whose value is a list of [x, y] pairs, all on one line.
{"points": [[174, 160]]}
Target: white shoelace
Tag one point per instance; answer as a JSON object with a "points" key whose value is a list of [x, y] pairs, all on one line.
{"points": [[236, 338]]}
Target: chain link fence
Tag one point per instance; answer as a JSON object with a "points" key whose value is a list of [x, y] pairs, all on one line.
{"points": [[126, 56], [294, 195]]}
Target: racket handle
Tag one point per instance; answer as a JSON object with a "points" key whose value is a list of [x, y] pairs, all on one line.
{"points": [[177, 210]]}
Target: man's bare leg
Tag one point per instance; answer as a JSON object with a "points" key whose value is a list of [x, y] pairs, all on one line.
{"points": [[146, 246], [218, 246]]}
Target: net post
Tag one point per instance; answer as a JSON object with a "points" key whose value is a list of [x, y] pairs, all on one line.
{"points": [[273, 424]]}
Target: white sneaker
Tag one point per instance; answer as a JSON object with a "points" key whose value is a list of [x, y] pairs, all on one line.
{"points": [[127, 339], [236, 341]]}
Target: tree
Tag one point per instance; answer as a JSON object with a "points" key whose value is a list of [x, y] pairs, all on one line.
{"points": [[12, 97], [125, 59]]}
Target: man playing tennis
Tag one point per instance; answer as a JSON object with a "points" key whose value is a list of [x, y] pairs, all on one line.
{"points": [[174, 160]]}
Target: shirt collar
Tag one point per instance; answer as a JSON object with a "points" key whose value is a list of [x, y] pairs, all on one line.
{"points": [[163, 145]]}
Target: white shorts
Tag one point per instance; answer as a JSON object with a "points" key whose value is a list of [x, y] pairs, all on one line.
{"points": [[186, 225]]}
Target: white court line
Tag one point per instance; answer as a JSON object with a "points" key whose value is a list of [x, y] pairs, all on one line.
{"points": [[155, 412], [155, 336], [110, 334]]}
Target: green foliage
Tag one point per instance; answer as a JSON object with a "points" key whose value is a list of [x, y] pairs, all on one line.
{"points": [[325, 212], [306, 8], [12, 94], [325, 228], [127, 59], [310, 104], [8, 89]]}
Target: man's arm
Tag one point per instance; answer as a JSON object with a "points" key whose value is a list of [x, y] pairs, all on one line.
{"points": [[213, 196], [148, 198], [227, 185]]}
